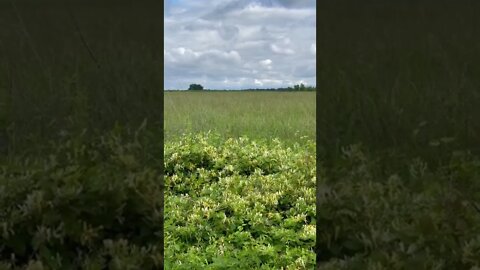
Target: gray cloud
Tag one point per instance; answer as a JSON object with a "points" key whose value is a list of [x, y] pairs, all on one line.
{"points": [[297, 3], [233, 44]]}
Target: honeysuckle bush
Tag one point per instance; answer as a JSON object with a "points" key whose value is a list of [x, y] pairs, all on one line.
{"points": [[239, 204], [83, 205], [414, 218], [234, 204]]}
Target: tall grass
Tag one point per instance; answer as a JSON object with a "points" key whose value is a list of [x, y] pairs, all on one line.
{"points": [[286, 115]]}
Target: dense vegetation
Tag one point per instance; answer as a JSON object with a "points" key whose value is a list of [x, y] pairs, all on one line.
{"points": [[239, 204], [195, 87], [237, 198]]}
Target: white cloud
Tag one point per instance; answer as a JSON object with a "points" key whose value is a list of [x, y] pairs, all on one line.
{"points": [[273, 82], [275, 48], [231, 44], [267, 64], [258, 82]]}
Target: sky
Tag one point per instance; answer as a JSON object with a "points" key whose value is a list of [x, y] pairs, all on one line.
{"points": [[238, 44]]}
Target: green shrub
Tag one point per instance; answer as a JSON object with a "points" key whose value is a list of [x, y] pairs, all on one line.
{"points": [[239, 204]]}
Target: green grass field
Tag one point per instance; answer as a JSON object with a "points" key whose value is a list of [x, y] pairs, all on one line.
{"points": [[240, 177], [283, 115]]}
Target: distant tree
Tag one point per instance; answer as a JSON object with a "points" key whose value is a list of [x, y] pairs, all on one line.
{"points": [[195, 87], [311, 88], [302, 87]]}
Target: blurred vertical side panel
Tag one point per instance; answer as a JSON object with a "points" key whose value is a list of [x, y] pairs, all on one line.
{"points": [[398, 131]]}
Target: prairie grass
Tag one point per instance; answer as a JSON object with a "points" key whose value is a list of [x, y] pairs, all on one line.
{"points": [[257, 115]]}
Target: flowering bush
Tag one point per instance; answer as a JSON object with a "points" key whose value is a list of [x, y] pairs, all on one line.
{"points": [[239, 204]]}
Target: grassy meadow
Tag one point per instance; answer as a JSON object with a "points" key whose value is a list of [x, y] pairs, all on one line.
{"points": [[257, 115]]}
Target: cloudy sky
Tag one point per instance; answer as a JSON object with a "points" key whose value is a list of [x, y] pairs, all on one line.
{"points": [[235, 44]]}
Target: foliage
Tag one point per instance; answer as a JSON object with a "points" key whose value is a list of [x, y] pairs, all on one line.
{"points": [[302, 87], [239, 204], [83, 205], [195, 87]]}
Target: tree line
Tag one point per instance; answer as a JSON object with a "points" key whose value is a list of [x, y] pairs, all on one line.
{"points": [[297, 87]]}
